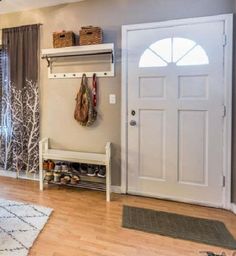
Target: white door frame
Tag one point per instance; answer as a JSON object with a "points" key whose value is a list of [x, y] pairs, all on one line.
{"points": [[228, 65]]}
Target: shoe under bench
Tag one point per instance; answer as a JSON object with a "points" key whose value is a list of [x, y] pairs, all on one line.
{"points": [[46, 153]]}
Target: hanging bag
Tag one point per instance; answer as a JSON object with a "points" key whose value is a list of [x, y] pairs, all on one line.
{"points": [[92, 114], [94, 90], [84, 113]]}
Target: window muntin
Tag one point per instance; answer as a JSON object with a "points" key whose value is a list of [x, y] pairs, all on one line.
{"points": [[180, 51]]}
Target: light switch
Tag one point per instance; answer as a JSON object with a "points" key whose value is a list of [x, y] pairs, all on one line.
{"points": [[112, 99]]}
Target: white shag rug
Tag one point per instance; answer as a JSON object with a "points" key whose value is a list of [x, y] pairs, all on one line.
{"points": [[20, 224]]}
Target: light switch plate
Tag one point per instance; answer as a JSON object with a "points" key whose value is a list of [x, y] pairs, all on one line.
{"points": [[112, 99]]}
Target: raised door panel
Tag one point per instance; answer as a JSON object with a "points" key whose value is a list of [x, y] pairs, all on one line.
{"points": [[152, 144]]}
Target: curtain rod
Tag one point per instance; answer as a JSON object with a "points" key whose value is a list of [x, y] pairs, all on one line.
{"points": [[40, 24]]}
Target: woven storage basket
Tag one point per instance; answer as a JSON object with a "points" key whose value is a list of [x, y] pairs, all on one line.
{"points": [[90, 35], [63, 39]]}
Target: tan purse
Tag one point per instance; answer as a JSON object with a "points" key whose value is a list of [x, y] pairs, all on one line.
{"points": [[84, 113]]}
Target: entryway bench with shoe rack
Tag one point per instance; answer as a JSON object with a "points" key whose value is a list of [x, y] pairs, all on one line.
{"points": [[95, 183]]}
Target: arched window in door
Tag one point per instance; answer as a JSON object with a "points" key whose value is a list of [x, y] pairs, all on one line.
{"points": [[181, 51]]}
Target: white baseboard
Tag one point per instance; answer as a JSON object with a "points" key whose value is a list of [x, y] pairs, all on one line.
{"points": [[30, 176], [116, 189], [8, 174], [233, 208], [20, 176]]}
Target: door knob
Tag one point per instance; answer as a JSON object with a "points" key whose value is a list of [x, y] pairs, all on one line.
{"points": [[132, 123]]}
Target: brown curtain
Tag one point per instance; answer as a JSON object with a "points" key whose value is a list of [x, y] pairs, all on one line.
{"points": [[20, 99]]}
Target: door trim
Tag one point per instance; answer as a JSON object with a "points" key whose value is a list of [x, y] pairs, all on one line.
{"points": [[228, 65], [234, 208]]}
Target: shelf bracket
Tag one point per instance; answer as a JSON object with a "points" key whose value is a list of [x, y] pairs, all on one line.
{"points": [[48, 60]]}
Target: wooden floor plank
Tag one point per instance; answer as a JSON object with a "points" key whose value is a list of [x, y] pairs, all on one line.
{"points": [[83, 224]]}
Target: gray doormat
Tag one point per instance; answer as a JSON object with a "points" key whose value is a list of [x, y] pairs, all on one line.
{"points": [[178, 226]]}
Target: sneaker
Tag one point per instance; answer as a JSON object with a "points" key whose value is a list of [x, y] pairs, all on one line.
{"points": [[65, 180], [74, 180], [83, 169], [75, 168], [91, 171], [96, 167], [102, 172], [57, 167], [64, 167]]}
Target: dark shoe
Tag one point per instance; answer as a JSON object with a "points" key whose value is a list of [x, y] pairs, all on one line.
{"points": [[102, 172], [91, 171], [75, 167], [83, 169]]}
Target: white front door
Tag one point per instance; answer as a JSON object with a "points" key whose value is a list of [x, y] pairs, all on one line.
{"points": [[175, 80]]}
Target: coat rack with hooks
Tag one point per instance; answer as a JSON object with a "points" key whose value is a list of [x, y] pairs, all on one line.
{"points": [[79, 51]]}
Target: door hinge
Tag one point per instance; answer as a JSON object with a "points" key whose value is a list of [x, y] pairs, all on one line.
{"points": [[223, 181], [224, 39], [224, 112]]}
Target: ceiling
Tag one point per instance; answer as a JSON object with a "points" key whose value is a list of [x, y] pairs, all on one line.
{"points": [[7, 6]]}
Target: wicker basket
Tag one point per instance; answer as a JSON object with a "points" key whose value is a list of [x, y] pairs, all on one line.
{"points": [[63, 39], [90, 35]]}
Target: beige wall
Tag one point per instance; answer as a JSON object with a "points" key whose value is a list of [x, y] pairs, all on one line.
{"points": [[57, 96]]}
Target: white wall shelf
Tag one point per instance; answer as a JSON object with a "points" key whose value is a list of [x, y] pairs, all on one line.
{"points": [[77, 51]]}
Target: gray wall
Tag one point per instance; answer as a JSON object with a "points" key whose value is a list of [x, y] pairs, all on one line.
{"points": [[57, 102]]}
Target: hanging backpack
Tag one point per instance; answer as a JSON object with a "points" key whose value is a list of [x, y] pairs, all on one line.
{"points": [[84, 113]]}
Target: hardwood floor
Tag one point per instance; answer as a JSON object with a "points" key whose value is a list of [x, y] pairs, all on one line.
{"points": [[83, 224]]}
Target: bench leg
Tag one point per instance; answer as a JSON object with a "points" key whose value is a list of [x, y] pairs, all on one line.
{"points": [[108, 182], [41, 172], [41, 180]]}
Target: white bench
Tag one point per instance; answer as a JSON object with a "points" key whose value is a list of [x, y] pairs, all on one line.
{"points": [[76, 157]]}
